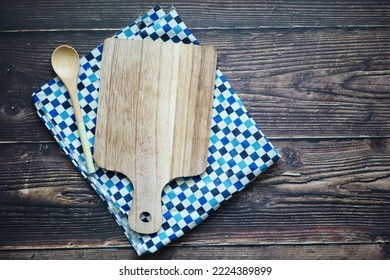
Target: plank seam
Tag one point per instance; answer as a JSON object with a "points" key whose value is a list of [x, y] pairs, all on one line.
{"points": [[384, 242], [325, 138], [295, 27]]}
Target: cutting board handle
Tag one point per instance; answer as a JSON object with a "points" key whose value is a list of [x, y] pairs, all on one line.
{"points": [[145, 215]]}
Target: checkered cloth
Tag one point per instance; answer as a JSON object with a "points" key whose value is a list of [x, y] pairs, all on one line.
{"points": [[238, 150]]}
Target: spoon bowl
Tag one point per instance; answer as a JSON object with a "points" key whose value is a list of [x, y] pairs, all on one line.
{"points": [[65, 61]]}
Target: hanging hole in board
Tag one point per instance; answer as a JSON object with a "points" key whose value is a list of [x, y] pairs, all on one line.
{"points": [[145, 217]]}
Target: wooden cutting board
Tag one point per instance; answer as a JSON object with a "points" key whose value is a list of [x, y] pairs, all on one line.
{"points": [[153, 121]]}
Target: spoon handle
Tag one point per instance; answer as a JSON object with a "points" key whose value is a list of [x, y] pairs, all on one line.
{"points": [[73, 92]]}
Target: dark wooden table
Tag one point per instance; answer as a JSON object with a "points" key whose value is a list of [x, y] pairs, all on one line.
{"points": [[315, 75]]}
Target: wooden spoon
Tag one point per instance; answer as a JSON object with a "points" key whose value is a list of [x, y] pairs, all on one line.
{"points": [[66, 64]]}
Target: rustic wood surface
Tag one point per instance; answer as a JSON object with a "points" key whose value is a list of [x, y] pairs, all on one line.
{"points": [[313, 74]]}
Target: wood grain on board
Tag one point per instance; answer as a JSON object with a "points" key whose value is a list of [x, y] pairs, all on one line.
{"points": [[153, 123]]}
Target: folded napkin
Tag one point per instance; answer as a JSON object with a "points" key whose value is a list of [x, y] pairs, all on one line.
{"points": [[238, 150]]}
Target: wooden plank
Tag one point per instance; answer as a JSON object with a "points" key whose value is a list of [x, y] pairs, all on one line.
{"points": [[17, 82], [316, 84], [320, 192], [267, 252], [321, 83], [72, 14]]}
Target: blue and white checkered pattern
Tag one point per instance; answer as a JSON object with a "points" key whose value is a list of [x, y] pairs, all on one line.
{"points": [[238, 150]]}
